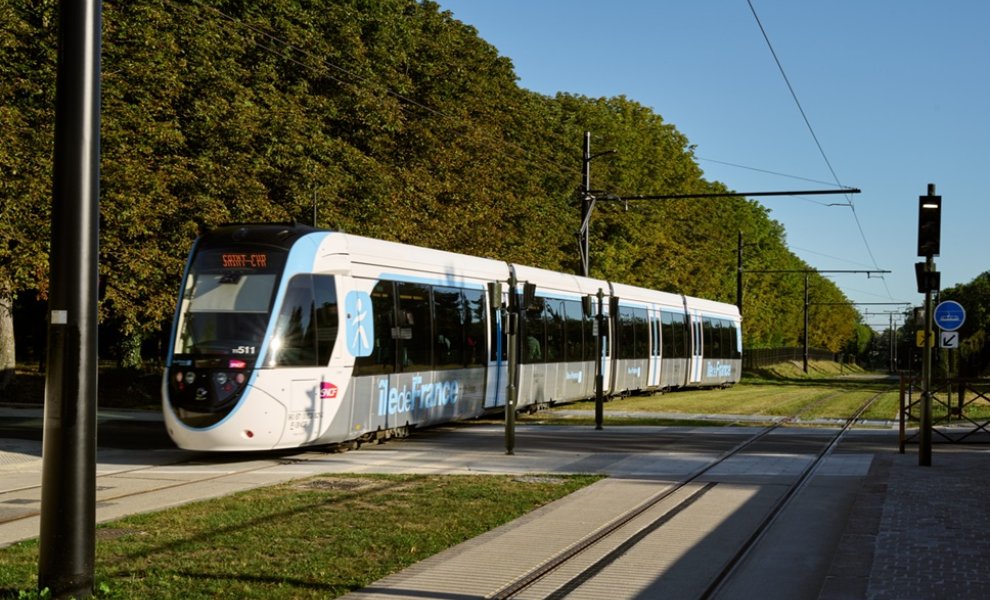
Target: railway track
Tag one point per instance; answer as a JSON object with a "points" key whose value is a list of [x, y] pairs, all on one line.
{"points": [[617, 551]]}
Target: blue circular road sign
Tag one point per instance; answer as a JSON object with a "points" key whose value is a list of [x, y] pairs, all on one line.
{"points": [[949, 315]]}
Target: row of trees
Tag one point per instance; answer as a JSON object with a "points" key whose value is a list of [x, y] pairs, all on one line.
{"points": [[388, 119]]}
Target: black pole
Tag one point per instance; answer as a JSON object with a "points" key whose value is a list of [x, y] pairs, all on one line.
{"points": [[925, 441], [584, 234], [739, 275], [599, 366], [511, 389], [806, 303], [68, 496]]}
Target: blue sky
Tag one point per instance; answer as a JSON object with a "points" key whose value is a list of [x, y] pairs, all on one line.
{"points": [[896, 91]]}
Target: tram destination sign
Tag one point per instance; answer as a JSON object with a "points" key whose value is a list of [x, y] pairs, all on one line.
{"points": [[949, 315]]}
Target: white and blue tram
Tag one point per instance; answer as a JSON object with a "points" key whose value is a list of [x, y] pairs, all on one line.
{"points": [[288, 336]]}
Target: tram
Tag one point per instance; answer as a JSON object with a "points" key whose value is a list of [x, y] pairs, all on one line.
{"points": [[287, 336]]}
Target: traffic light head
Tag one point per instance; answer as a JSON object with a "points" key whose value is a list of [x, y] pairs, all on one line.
{"points": [[929, 225]]}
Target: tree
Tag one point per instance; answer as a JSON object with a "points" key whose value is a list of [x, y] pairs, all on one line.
{"points": [[388, 119], [27, 99]]}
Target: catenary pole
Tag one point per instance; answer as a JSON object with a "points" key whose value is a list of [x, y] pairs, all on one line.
{"points": [[925, 441], [68, 495]]}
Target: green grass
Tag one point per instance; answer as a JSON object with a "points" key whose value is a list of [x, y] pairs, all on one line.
{"points": [[781, 391], [315, 538]]}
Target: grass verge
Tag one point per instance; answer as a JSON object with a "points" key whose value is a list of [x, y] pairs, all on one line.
{"points": [[315, 538], [824, 394]]}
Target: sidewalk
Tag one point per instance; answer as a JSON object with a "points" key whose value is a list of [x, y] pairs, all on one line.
{"points": [[918, 532]]}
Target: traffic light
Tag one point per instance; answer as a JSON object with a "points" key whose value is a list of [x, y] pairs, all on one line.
{"points": [[929, 225], [928, 281]]}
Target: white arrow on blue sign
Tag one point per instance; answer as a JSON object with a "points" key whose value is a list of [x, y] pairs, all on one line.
{"points": [[949, 315]]}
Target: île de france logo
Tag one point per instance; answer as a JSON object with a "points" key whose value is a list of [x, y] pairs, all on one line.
{"points": [[360, 326]]}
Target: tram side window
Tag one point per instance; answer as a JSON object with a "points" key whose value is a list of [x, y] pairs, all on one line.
{"points": [[654, 336], [730, 340], [448, 315], [382, 358], [500, 343], [674, 335], [474, 327], [667, 336], [634, 333], [534, 337], [641, 325], [573, 331], [590, 341], [294, 342], [326, 316], [626, 333], [414, 327], [556, 336], [721, 343]]}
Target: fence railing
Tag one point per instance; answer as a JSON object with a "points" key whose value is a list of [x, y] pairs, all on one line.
{"points": [[762, 357], [960, 408]]}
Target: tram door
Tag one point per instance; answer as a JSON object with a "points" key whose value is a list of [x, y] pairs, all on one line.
{"points": [[697, 348], [655, 347], [498, 370]]}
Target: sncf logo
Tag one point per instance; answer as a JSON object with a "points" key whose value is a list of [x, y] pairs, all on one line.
{"points": [[328, 391]]}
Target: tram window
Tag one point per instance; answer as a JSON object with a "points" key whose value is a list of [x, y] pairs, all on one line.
{"points": [[554, 311], [641, 348], [294, 342], [448, 312], [654, 336], [326, 316], [678, 336], [533, 336], [627, 333], [573, 331], [474, 327], [706, 332], [634, 336], [669, 338], [414, 328], [500, 343], [382, 358], [590, 341]]}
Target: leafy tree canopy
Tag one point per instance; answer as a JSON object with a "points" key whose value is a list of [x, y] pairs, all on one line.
{"points": [[389, 119]]}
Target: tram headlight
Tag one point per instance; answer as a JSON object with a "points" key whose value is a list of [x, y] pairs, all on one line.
{"points": [[190, 377], [220, 378]]}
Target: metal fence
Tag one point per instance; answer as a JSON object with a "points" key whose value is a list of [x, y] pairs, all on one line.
{"points": [[755, 358], [960, 409]]}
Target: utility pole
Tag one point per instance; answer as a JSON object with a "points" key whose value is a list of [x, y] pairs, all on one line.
{"points": [[600, 329], [929, 232], [739, 273], [588, 199], [67, 537], [585, 203], [511, 314]]}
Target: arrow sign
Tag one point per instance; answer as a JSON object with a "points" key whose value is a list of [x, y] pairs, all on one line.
{"points": [[949, 315], [949, 339]]}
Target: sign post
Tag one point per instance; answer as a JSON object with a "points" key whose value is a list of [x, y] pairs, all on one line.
{"points": [[929, 232]]}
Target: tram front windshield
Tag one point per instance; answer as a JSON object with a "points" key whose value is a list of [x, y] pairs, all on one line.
{"points": [[225, 303]]}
